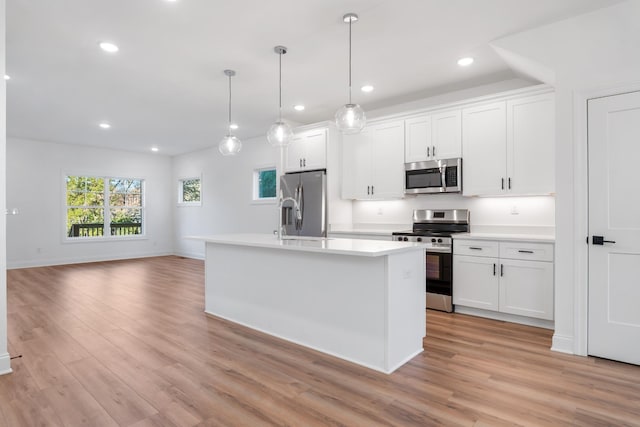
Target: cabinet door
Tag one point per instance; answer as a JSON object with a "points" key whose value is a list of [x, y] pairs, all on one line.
{"points": [[388, 164], [526, 288], [447, 134], [418, 144], [476, 282], [315, 150], [531, 145], [484, 149], [356, 165], [294, 155]]}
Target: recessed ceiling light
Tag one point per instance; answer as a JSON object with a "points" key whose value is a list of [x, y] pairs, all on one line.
{"points": [[232, 126], [298, 107], [367, 88], [464, 62], [109, 47], [7, 77], [104, 125], [155, 149]]}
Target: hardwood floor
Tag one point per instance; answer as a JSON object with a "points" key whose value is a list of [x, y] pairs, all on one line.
{"points": [[126, 343]]}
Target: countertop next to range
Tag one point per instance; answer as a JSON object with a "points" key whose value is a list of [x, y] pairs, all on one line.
{"points": [[534, 238], [355, 247]]}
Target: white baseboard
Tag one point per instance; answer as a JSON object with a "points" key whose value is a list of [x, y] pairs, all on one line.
{"points": [[15, 264], [192, 255], [5, 364], [562, 344], [495, 315]]}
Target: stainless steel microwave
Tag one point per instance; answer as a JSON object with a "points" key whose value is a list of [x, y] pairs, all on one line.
{"points": [[435, 176]]}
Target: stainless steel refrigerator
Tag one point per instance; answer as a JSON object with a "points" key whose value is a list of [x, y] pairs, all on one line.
{"points": [[309, 189]]}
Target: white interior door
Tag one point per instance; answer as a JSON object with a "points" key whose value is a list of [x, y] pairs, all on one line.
{"points": [[614, 214]]}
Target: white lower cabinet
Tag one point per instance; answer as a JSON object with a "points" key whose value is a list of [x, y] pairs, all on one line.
{"points": [[519, 280]]}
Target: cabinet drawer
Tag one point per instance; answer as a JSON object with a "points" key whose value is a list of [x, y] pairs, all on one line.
{"points": [[484, 248], [526, 251]]}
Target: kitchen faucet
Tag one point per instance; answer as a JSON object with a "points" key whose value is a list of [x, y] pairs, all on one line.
{"points": [[280, 205]]}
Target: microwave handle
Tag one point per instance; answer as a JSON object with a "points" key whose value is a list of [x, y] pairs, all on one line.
{"points": [[443, 177]]}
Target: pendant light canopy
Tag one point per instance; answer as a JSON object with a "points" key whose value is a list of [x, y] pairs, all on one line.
{"points": [[280, 133], [229, 145], [350, 118]]}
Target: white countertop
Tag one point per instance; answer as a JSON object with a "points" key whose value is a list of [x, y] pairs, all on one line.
{"points": [[536, 238], [356, 247]]}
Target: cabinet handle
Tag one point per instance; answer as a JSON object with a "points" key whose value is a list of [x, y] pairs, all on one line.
{"points": [[475, 248], [494, 268], [368, 189], [433, 150], [501, 270], [525, 252], [502, 179], [428, 155], [300, 161], [304, 163], [372, 189], [509, 183]]}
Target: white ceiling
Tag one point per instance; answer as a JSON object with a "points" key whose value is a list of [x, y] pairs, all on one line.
{"points": [[166, 86]]}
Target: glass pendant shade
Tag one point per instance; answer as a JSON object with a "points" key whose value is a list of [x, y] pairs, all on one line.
{"points": [[229, 145], [280, 134], [350, 119]]}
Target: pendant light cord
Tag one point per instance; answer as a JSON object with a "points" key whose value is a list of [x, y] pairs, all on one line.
{"points": [[350, 22], [229, 130], [280, 89]]}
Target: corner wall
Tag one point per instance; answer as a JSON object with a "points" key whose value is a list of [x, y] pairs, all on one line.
{"points": [[35, 170], [5, 362]]}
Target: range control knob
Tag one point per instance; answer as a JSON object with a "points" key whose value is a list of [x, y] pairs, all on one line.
{"points": [[433, 240], [419, 239], [400, 239], [406, 239], [439, 240]]}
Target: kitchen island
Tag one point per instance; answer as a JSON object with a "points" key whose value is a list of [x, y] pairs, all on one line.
{"points": [[359, 300]]}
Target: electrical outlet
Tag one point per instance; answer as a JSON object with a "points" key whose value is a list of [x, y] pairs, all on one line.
{"points": [[380, 211], [514, 210]]}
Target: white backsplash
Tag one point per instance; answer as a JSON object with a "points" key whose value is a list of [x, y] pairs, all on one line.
{"points": [[536, 213]]}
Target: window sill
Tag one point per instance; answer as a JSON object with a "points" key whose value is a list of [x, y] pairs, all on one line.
{"points": [[270, 201], [188, 204], [104, 239]]}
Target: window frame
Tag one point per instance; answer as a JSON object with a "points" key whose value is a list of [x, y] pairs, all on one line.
{"points": [[107, 209], [180, 200], [255, 185]]}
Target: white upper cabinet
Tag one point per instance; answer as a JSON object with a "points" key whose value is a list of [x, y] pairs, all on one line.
{"points": [[508, 147], [530, 144], [484, 149], [307, 151], [373, 167], [433, 136]]}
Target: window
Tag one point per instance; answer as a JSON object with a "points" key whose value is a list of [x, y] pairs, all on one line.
{"points": [[94, 204], [264, 184], [189, 192]]}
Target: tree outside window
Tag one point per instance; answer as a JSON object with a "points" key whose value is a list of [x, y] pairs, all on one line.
{"points": [[189, 192], [264, 183], [98, 206]]}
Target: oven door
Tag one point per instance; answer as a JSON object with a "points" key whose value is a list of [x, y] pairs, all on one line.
{"points": [[439, 280]]}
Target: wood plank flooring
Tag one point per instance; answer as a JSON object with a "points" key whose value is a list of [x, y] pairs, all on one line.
{"points": [[126, 343]]}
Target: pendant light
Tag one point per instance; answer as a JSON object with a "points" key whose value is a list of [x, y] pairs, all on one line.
{"points": [[230, 145], [350, 117], [280, 133]]}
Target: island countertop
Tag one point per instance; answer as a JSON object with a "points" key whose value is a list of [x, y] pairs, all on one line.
{"points": [[356, 247]]}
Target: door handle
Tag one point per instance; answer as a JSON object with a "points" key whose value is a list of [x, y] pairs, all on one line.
{"points": [[599, 240]]}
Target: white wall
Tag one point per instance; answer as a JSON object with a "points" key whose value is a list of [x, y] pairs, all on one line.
{"points": [[35, 171], [594, 54], [516, 213], [227, 197], [5, 365]]}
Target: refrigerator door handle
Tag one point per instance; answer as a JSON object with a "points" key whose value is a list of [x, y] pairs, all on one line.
{"points": [[300, 199]]}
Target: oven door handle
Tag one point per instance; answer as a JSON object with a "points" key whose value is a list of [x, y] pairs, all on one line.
{"points": [[440, 250]]}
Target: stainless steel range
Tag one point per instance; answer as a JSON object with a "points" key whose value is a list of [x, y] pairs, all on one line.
{"points": [[434, 228]]}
